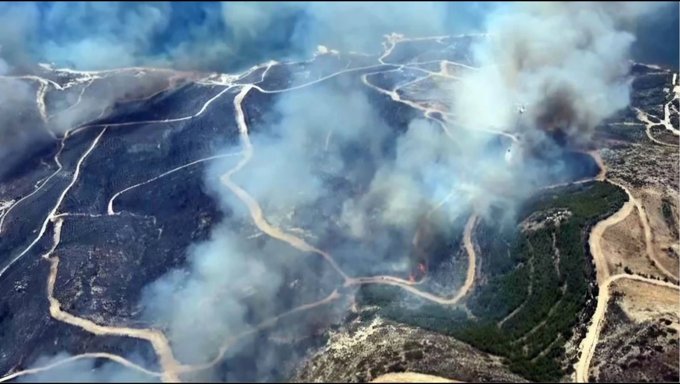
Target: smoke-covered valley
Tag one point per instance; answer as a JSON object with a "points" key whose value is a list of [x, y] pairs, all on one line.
{"points": [[281, 159]]}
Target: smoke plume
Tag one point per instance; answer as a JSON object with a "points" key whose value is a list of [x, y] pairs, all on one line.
{"points": [[208, 35], [566, 63], [327, 165]]}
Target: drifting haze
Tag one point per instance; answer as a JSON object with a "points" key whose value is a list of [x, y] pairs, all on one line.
{"points": [[209, 35], [83, 371], [203, 307], [33, 113], [325, 159], [20, 122], [197, 36], [326, 162]]}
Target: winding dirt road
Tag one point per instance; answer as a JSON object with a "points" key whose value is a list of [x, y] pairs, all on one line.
{"points": [[644, 117], [589, 343], [258, 218], [595, 239], [171, 368], [109, 209], [604, 279], [253, 206], [649, 237], [54, 210], [408, 286], [265, 324]]}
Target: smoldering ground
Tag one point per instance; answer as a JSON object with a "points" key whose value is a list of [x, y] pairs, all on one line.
{"points": [[329, 168]]}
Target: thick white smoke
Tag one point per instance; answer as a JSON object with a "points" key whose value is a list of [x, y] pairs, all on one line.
{"points": [[202, 304], [566, 63], [204, 35]]}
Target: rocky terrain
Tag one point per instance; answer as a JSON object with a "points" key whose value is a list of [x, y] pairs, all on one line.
{"points": [[363, 351]]}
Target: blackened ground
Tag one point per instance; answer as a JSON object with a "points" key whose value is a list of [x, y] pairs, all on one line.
{"points": [[129, 155], [21, 180], [22, 224], [26, 329], [106, 260]]}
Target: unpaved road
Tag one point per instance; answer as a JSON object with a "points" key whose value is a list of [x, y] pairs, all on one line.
{"points": [[258, 218], [604, 279], [171, 368], [589, 343]]}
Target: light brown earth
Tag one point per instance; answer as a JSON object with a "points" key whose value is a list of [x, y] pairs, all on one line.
{"points": [[624, 245], [639, 339], [411, 377]]}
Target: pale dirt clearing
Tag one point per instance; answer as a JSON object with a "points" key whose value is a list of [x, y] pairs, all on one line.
{"points": [[624, 246], [411, 377], [643, 301]]}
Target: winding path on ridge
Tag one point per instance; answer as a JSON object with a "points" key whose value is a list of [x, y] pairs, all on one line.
{"points": [[604, 279], [258, 218], [171, 368], [589, 343]]}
